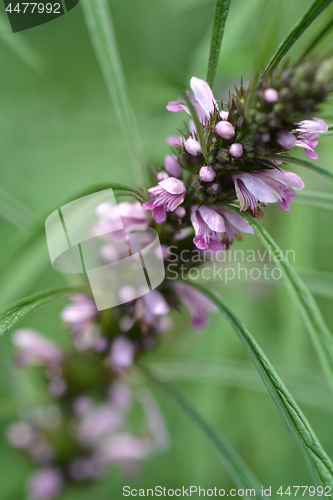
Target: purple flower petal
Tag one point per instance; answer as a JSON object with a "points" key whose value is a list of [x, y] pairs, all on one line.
{"points": [[213, 220], [173, 186], [203, 96]]}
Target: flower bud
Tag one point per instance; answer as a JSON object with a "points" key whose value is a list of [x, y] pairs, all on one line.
{"points": [[207, 174], [271, 95], [225, 130], [286, 139], [236, 150], [172, 166], [180, 212], [192, 146], [224, 115]]}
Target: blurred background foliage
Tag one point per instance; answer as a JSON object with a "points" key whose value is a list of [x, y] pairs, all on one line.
{"points": [[59, 135]]}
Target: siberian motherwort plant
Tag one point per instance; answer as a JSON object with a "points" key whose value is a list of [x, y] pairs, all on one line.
{"points": [[228, 164]]}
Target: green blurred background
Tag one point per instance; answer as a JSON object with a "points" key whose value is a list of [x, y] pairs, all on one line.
{"points": [[59, 134]]}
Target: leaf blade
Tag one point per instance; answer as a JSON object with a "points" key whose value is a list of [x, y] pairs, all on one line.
{"points": [[316, 8], [238, 470], [311, 315], [319, 463], [12, 314], [100, 25], [220, 18]]}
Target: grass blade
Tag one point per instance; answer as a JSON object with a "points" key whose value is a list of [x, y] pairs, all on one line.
{"points": [[314, 322], [316, 8], [321, 35], [319, 463], [238, 470], [307, 164], [99, 21], [308, 386], [220, 18], [14, 313], [315, 199]]}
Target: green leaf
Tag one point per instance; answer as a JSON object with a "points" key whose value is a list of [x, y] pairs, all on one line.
{"points": [[316, 8], [307, 385], [314, 322], [321, 35], [238, 470], [15, 312], [315, 199], [220, 17], [319, 463], [99, 21], [307, 164]]}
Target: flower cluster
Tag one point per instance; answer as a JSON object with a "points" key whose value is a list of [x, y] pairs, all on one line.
{"points": [[84, 428], [231, 153], [227, 161]]}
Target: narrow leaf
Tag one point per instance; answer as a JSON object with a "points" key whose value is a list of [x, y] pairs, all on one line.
{"points": [[321, 35], [316, 8], [307, 164], [238, 470], [314, 322], [99, 21], [307, 385], [220, 17], [15, 312], [315, 199], [318, 461]]}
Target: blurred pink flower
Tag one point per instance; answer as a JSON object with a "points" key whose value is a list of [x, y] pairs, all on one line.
{"points": [[45, 484], [34, 348], [197, 304]]}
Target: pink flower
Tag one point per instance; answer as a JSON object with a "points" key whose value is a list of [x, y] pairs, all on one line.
{"points": [[169, 193], [123, 448], [197, 304], [175, 140], [131, 214], [236, 150], [314, 126], [203, 100], [208, 225], [35, 348], [97, 422], [225, 129], [265, 187], [286, 139], [234, 223], [150, 307], [192, 146], [308, 135], [80, 315], [45, 484], [271, 95], [122, 353], [171, 166], [81, 312], [207, 174]]}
